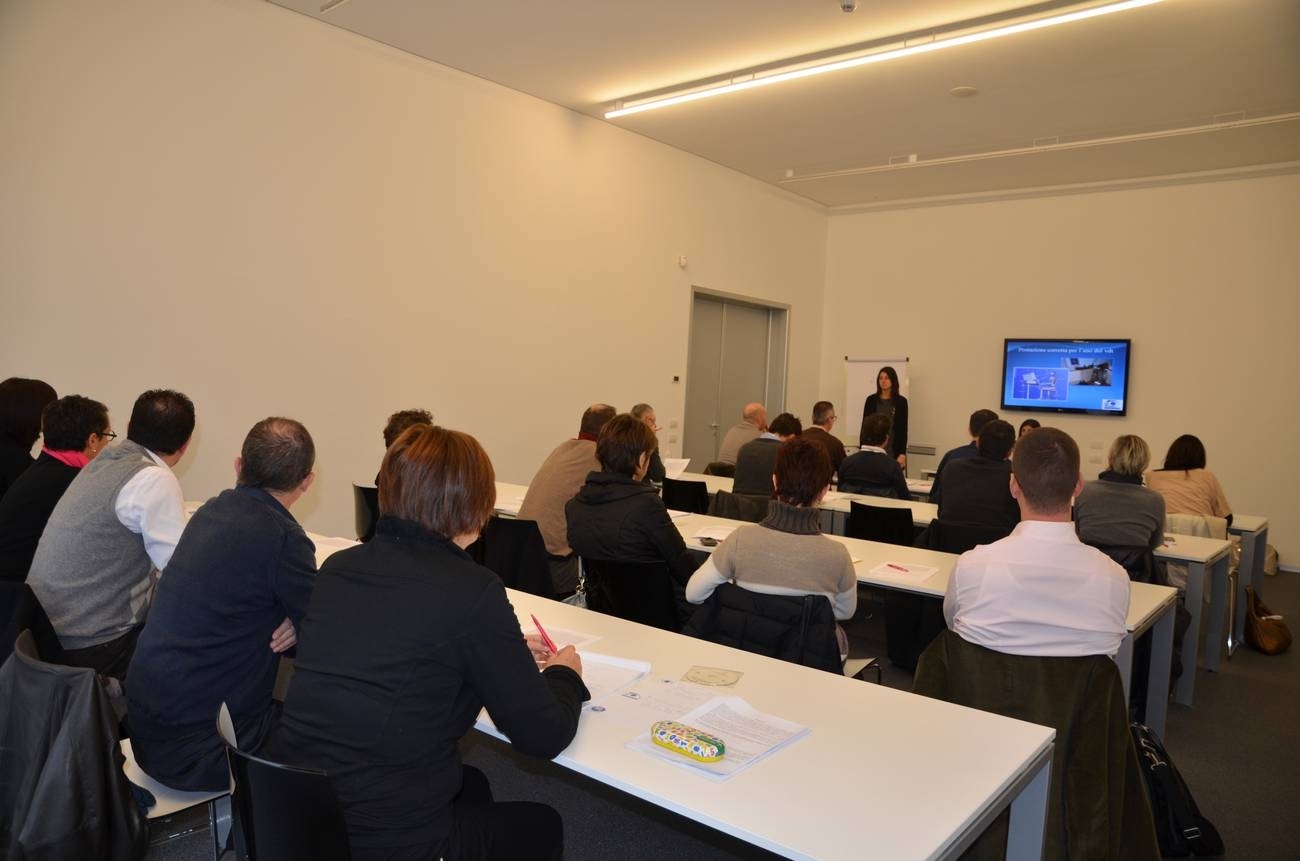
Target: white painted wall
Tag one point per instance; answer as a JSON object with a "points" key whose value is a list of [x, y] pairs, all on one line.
{"points": [[278, 217], [1204, 278]]}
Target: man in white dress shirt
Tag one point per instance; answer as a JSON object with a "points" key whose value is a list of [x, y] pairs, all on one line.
{"points": [[1040, 591], [112, 531]]}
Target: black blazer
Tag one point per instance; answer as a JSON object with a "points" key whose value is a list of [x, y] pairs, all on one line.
{"points": [[24, 511]]}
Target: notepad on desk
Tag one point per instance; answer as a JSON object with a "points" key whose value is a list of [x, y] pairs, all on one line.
{"points": [[675, 466]]}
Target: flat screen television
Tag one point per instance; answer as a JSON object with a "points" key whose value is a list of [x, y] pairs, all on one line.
{"points": [[1058, 376]]}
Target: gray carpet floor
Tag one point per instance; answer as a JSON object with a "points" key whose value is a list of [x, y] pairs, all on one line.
{"points": [[1238, 749]]}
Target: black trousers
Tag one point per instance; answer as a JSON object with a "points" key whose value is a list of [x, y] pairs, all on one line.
{"points": [[487, 830], [107, 659]]}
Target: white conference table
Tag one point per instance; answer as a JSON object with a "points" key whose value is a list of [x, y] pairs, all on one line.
{"points": [[920, 486], [1198, 553], [922, 777], [1254, 544], [857, 730], [1150, 606]]}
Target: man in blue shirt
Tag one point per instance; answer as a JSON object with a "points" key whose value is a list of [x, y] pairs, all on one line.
{"points": [[228, 605]]}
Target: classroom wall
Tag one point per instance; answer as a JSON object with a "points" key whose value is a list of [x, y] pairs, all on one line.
{"points": [[279, 217], [1203, 277]]}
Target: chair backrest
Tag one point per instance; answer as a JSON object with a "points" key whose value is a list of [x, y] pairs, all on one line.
{"points": [[63, 793], [692, 496], [515, 551], [366, 500], [1097, 804], [282, 812], [20, 610], [877, 523], [795, 628], [739, 506], [1205, 526], [637, 591], [949, 536], [718, 468], [1138, 560]]}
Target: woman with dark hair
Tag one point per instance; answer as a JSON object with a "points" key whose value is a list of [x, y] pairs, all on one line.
{"points": [[1116, 510], [786, 554], [1187, 486], [890, 402], [404, 640], [76, 429], [21, 403], [1027, 425], [616, 516]]}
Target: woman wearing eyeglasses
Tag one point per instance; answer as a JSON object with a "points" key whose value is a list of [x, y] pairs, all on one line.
{"points": [[76, 429]]}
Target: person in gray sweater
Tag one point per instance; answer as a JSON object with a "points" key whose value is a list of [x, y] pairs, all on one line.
{"points": [[1116, 509], [786, 554]]}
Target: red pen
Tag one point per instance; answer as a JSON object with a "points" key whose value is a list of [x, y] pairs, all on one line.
{"points": [[546, 638], [887, 564]]}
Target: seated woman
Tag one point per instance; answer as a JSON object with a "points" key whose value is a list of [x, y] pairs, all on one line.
{"points": [[616, 515], [76, 429], [1116, 510], [404, 640], [21, 403], [786, 554], [1187, 486]]}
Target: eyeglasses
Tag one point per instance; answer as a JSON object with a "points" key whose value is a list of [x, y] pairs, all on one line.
{"points": [[108, 435]]}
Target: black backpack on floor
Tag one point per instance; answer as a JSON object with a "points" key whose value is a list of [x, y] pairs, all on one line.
{"points": [[1180, 827]]}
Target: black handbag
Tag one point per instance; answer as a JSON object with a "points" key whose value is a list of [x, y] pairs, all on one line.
{"points": [[1180, 827]]}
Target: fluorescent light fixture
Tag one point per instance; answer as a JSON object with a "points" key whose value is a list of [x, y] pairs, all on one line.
{"points": [[920, 45]]}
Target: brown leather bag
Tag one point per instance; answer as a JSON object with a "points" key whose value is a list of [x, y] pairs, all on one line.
{"points": [[1265, 631]]}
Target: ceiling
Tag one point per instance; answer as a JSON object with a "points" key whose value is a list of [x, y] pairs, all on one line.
{"points": [[1180, 89]]}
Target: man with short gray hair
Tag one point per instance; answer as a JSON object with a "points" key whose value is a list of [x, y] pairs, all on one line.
{"points": [[823, 419], [228, 606]]}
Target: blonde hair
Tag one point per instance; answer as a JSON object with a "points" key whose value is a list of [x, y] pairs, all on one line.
{"points": [[1129, 455]]}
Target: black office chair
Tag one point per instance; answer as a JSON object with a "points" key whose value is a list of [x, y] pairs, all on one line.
{"points": [[950, 536], [637, 591], [795, 628], [515, 551], [720, 469], [1097, 803], [366, 499], [692, 496], [282, 812], [1138, 560], [876, 523], [739, 506], [21, 610]]}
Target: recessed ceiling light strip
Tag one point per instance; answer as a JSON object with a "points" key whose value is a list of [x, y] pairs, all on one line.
{"points": [[803, 70]]}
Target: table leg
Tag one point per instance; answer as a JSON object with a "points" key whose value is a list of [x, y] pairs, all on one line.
{"points": [[1218, 609], [1192, 601], [1124, 660], [1029, 817], [1253, 547], [1162, 658]]}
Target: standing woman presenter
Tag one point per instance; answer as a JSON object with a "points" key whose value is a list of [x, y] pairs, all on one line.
{"points": [[889, 401]]}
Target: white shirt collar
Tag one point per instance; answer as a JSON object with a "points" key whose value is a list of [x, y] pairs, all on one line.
{"points": [[874, 448]]}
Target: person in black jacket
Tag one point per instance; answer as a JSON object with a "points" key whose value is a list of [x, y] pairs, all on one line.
{"points": [[21, 403], [76, 429], [889, 401], [656, 472], [618, 517], [872, 470], [405, 639], [977, 490]]}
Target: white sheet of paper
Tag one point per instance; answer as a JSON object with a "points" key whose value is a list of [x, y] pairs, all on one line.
{"points": [[749, 735], [914, 573], [655, 698], [678, 515], [510, 506], [718, 532], [606, 675], [675, 466], [327, 546]]}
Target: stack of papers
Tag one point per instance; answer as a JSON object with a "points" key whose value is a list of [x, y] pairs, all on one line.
{"points": [[718, 532]]}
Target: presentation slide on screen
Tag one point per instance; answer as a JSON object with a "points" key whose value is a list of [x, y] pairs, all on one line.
{"points": [[1056, 375]]}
